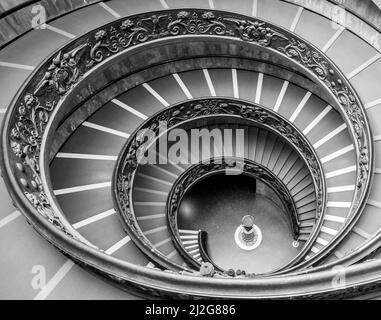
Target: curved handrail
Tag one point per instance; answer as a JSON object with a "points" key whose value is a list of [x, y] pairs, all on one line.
{"points": [[44, 92], [202, 240], [208, 167], [189, 111]]}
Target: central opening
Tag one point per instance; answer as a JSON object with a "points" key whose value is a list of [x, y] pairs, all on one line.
{"points": [[218, 203]]}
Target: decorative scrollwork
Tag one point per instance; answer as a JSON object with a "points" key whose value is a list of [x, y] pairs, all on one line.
{"points": [[116, 40], [54, 80], [319, 65], [63, 72], [196, 23], [191, 110], [301, 52], [255, 31], [199, 171], [67, 67], [26, 134]]}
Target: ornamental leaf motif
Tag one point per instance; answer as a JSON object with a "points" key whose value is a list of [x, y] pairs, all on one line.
{"points": [[55, 79], [310, 58], [192, 23], [255, 31], [63, 72], [192, 110], [25, 142], [198, 171]]}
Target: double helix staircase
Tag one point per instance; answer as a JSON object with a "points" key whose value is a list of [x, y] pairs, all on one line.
{"points": [[97, 116]]}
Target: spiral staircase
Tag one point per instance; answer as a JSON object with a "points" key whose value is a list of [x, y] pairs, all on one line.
{"points": [[295, 81]]}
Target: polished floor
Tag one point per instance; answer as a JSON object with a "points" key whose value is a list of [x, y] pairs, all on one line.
{"points": [[217, 205]]}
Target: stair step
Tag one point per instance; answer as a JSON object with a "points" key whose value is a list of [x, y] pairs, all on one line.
{"points": [[307, 223], [303, 237], [305, 230]]}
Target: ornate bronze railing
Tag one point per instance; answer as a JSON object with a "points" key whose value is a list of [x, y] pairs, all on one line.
{"points": [[202, 109], [28, 123], [206, 168], [202, 240]]}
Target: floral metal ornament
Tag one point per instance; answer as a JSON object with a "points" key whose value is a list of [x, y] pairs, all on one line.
{"points": [[128, 161], [205, 168], [52, 83]]}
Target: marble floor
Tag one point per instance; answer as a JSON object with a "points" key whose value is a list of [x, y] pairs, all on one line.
{"points": [[217, 205]]}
